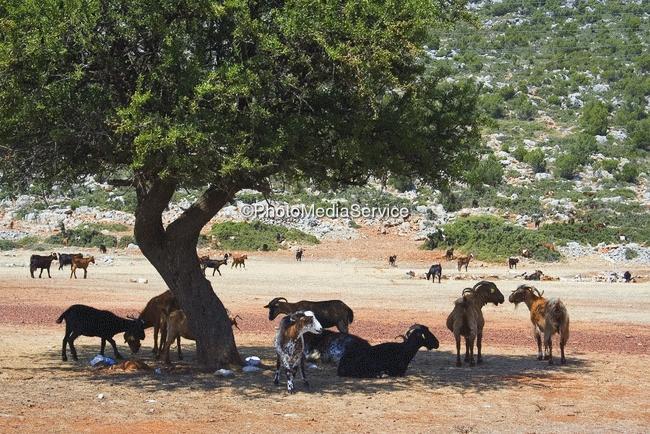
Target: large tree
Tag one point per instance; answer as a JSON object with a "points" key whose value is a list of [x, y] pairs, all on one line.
{"points": [[221, 95]]}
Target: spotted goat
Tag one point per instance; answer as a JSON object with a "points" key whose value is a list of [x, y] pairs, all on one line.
{"points": [[290, 345]]}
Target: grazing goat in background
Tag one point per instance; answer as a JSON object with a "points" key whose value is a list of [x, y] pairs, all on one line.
{"points": [[435, 270], [390, 358], [102, 249], [512, 262], [290, 345], [155, 315], [299, 254], [627, 276], [81, 263], [392, 261], [329, 346], [238, 260], [81, 320], [42, 262], [329, 313], [206, 263], [467, 318], [66, 259], [464, 261], [548, 317], [526, 253], [449, 254]]}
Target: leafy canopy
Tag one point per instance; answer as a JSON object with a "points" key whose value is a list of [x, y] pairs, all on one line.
{"points": [[198, 92]]}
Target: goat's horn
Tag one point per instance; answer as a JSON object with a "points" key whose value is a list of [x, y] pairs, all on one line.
{"points": [[237, 316]]}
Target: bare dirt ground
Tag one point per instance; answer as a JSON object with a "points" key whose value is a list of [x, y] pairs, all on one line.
{"points": [[603, 388]]}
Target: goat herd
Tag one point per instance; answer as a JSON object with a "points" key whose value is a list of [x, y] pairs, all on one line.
{"points": [[301, 334]]}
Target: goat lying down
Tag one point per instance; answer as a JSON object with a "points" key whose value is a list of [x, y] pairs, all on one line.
{"points": [[329, 346], [290, 345], [548, 317], [390, 358]]}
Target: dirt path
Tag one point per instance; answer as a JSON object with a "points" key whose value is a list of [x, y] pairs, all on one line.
{"points": [[602, 388]]}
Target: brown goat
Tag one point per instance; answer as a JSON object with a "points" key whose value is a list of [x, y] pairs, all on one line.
{"points": [[548, 317], [467, 318], [449, 254], [464, 261], [178, 326], [238, 259], [155, 315], [81, 263]]}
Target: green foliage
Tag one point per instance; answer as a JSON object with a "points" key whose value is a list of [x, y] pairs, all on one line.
{"points": [[582, 146], [631, 254], [640, 134], [493, 106], [125, 241], [257, 235], [629, 173], [536, 159], [87, 235], [594, 118], [492, 239], [7, 245], [609, 164], [434, 240], [250, 197], [488, 171], [523, 108], [228, 93], [401, 183], [567, 166], [520, 153]]}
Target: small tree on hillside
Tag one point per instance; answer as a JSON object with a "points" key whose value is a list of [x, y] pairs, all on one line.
{"points": [[221, 96], [594, 118]]}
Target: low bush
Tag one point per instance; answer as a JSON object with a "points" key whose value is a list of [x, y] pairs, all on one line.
{"points": [[567, 166], [536, 159], [84, 236], [493, 239], [257, 236], [7, 245]]}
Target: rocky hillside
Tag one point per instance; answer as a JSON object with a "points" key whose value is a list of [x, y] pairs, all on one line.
{"points": [[566, 97]]}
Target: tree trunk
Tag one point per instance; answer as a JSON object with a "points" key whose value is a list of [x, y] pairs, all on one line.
{"points": [[179, 267], [172, 251]]}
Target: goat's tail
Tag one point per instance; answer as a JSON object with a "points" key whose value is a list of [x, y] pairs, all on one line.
{"points": [[557, 313], [62, 317]]}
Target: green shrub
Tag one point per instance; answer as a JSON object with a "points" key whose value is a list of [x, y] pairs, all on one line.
{"points": [[434, 240], [505, 147], [488, 171], [125, 241], [492, 239], [257, 235], [582, 146], [640, 134], [629, 173], [84, 236], [493, 105], [567, 166], [7, 245], [524, 110], [520, 153], [401, 183], [250, 197], [585, 233], [610, 165], [594, 118], [536, 159], [631, 254]]}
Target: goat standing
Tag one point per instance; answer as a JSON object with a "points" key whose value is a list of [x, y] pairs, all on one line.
{"points": [[81, 320], [238, 260], [512, 262], [290, 345], [206, 263], [464, 261], [42, 262], [548, 317], [329, 313], [66, 259], [435, 270], [392, 261], [155, 315], [81, 263], [467, 318], [299, 254]]}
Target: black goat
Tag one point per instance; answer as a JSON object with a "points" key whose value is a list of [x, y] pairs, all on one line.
{"points": [[329, 313], [627, 276], [392, 261], [329, 346], [102, 249], [206, 263], [435, 270], [66, 259], [42, 262], [512, 262], [390, 358], [81, 320], [299, 254]]}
